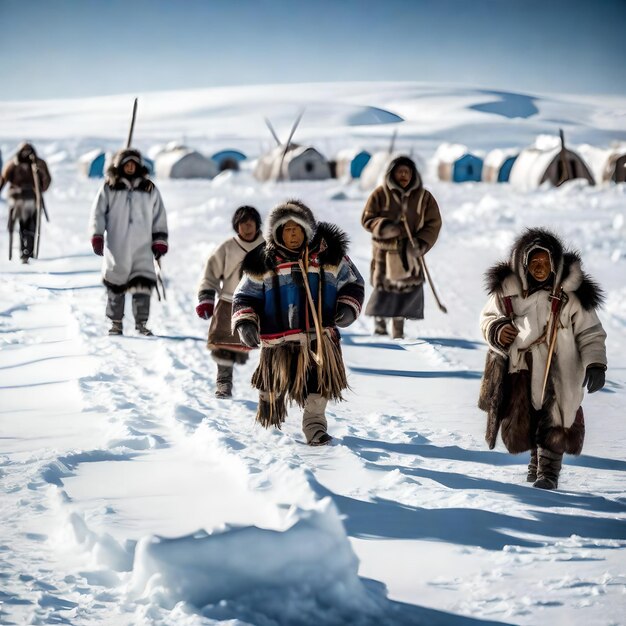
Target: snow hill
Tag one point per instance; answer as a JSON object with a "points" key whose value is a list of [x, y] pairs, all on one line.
{"points": [[130, 495]]}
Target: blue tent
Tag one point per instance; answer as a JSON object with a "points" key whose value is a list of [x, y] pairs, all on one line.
{"points": [[93, 164], [358, 164], [228, 159], [505, 170], [467, 168]]}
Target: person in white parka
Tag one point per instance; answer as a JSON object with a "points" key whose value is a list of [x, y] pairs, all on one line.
{"points": [[128, 225], [546, 344]]}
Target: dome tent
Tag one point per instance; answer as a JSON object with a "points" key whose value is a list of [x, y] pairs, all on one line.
{"points": [[498, 164], [228, 159], [455, 163], [291, 161], [182, 162], [548, 161], [92, 163], [606, 164], [351, 162]]}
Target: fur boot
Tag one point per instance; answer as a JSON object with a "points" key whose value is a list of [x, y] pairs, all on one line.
{"points": [[532, 466], [397, 328], [380, 326], [548, 469], [224, 387]]}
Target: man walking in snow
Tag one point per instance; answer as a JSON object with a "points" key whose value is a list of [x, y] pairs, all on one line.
{"points": [[404, 221], [296, 290], [129, 228], [23, 194], [546, 344], [221, 276]]}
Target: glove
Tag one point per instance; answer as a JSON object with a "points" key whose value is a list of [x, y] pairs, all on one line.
{"points": [[594, 378], [97, 243], [204, 309], [249, 334], [159, 248], [345, 315]]}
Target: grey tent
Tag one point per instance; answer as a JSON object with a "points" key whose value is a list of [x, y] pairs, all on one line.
{"points": [[182, 162], [291, 161]]}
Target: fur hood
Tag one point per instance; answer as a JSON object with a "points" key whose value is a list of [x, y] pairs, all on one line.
{"points": [[25, 148], [416, 179], [329, 242], [294, 210], [511, 277], [114, 174]]}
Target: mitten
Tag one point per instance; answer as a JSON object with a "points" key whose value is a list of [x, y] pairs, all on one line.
{"points": [[594, 377], [345, 315], [97, 243], [389, 231], [159, 248], [249, 334], [204, 309]]}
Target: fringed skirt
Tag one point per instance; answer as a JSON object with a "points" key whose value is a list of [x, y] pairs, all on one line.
{"points": [[288, 372]]}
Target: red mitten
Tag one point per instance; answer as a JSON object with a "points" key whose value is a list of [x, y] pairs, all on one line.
{"points": [[159, 248], [204, 309], [97, 243]]}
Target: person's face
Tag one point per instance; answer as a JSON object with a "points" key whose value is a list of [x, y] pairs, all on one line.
{"points": [[130, 167], [247, 229], [402, 175], [539, 265], [293, 235]]}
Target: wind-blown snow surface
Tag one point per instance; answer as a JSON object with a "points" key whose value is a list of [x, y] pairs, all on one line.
{"points": [[130, 495]]}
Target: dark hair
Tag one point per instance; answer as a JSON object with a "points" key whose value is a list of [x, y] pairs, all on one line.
{"points": [[244, 213]]}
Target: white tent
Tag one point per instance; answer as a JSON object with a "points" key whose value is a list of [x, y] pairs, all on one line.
{"points": [[498, 164], [547, 161], [182, 162], [299, 163], [92, 163], [606, 164], [374, 172]]}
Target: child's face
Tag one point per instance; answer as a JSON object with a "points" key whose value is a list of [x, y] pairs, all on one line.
{"points": [[539, 265], [247, 229], [293, 235]]}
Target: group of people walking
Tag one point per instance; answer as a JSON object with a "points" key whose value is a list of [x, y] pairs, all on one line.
{"points": [[290, 290]]}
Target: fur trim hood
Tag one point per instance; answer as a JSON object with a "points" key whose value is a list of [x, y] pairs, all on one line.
{"points": [[27, 149], [114, 173], [294, 210], [416, 179], [329, 241], [511, 277]]}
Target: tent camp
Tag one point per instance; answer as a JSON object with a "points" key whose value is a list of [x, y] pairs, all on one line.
{"points": [[351, 162], [183, 162], [498, 164], [455, 163], [548, 161], [91, 164], [291, 161], [606, 164], [228, 159]]}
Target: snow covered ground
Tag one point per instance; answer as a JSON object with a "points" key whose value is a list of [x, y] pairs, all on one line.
{"points": [[130, 495]]}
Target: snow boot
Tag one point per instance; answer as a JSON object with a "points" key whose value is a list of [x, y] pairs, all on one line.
{"points": [[397, 328], [531, 477], [25, 260], [314, 423], [116, 328], [141, 328], [380, 326], [224, 387], [548, 469]]}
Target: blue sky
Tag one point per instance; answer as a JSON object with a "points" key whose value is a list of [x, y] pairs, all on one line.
{"points": [[74, 48]]}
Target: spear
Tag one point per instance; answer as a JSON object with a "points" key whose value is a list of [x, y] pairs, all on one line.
{"points": [[132, 125], [555, 312]]}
